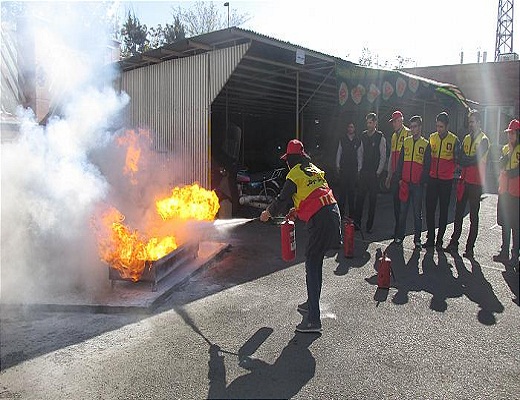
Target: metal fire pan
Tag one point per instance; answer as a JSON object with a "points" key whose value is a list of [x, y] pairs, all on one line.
{"points": [[155, 271]]}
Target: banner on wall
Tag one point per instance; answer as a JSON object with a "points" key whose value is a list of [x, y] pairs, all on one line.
{"points": [[362, 86]]}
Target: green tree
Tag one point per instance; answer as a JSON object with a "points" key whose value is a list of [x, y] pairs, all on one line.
{"points": [[134, 36], [159, 36]]}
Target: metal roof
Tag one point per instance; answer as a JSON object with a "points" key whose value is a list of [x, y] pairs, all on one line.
{"points": [[264, 82], [267, 78]]}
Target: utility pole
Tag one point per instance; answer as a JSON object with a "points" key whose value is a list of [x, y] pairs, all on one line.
{"points": [[226, 4], [504, 37]]}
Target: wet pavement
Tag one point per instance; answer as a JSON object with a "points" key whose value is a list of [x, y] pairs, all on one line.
{"points": [[448, 328]]}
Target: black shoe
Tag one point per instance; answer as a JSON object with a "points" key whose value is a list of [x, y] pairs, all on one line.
{"points": [[438, 244], [427, 245], [304, 307], [451, 248], [501, 257], [468, 254], [398, 242], [418, 245], [308, 327]]}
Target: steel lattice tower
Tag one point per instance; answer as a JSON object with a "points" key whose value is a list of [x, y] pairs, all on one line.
{"points": [[504, 39]]}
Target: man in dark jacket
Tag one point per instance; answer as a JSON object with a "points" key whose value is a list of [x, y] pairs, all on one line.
{"points": [[349, 159], [374, 157]]}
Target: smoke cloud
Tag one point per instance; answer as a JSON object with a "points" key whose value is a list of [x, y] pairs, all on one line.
{"points": [[59, 178], [51, 181]]}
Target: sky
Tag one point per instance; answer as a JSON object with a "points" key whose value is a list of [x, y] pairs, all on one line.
{"points": [[429, 33]]}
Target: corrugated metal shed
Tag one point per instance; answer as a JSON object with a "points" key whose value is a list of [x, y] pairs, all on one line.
{"points": [[173, 99]]}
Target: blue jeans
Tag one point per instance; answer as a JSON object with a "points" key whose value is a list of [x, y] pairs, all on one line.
{"points": [[415, 197]]}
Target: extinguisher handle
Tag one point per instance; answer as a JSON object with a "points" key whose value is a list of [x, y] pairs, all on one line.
{"points": [[291, 215]]}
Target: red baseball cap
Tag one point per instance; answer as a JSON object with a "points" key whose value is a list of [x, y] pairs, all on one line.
{"points": [[395, 115], [294, 147], [514, 125]]}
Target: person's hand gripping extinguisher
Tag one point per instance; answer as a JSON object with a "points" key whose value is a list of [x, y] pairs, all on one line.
{"points": [[288, 234]]}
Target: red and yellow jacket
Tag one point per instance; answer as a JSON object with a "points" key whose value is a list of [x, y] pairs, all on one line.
{"points": [[396, 144], [312, 190], [444, 151], [476, 171], [414, 159], [509, 180]]}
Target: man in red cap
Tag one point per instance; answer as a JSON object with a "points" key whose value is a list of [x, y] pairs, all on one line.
{"points": [[509, 195], [400, 133], [315, 204]]}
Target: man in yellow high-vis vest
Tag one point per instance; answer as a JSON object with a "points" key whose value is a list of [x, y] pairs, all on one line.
{"points": [[509, 196], [473, 158], [445, 150], [400, 133]]}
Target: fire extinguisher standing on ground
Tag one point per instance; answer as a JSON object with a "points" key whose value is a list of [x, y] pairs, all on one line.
{"points": [[384, 271], [348, 239], [288, 236]]}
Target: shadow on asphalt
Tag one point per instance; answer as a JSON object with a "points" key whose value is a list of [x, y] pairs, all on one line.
{"points": [[294, 367], [437, 279]]}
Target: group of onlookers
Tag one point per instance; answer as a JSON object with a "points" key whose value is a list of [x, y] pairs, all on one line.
{"points": [[429, 168], [414, 162]]}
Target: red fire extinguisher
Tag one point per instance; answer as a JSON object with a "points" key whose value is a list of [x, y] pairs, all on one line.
{"points": [[348, 239], [288, 240], [383, 272]]}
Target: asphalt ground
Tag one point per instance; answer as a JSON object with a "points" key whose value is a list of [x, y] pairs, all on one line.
{"points": [[448, 328]]}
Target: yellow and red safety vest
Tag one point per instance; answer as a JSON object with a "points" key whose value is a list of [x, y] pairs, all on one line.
{"points": [[505, 183], [396, 144], [312, 190], [414, 151], [476, 173], [443, 155]]}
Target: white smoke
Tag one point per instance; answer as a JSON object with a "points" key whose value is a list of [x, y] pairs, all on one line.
{"points": [[50, 183]]}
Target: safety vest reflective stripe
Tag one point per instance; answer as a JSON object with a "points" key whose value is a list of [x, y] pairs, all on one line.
{"points": [[506, 184], [311, 204], [414, 151], [327, 199], [443, 157], [396, 144], [474, 174]]}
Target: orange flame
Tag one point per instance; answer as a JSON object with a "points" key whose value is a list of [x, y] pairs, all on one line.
{"points": [[189, 202], [128, 251], [131, 140]]}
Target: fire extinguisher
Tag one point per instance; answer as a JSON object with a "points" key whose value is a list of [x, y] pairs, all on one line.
{"points": [[348, 239], [383, 272], [288, 240]]}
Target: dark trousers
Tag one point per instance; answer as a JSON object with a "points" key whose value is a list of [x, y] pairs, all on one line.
{"points": [[508, 209], [471, 195], [415, 197], [313, 279], [394, 187], [438, 191], [347, 193], [368, 184], [324, 229]]}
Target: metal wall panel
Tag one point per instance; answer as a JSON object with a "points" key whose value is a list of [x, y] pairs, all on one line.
{"points": [[173, 100]]}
